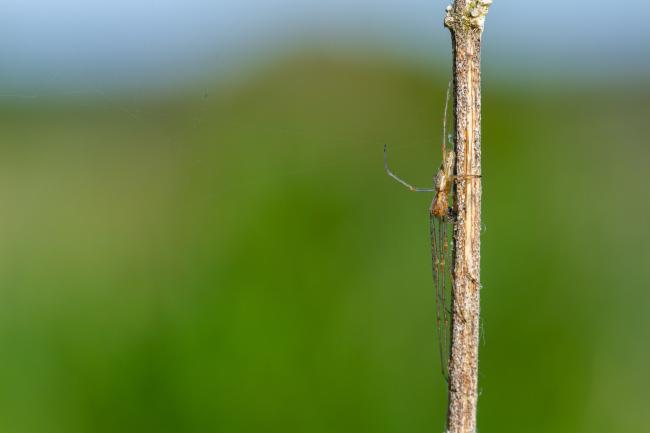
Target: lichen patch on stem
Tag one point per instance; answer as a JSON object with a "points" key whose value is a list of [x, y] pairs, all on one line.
{"points": [[471, 14]]}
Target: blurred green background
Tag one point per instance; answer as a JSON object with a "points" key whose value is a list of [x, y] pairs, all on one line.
{"points": [[234, 259]]}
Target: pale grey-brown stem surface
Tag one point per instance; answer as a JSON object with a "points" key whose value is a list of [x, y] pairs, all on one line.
{"points": [[465, 19]]}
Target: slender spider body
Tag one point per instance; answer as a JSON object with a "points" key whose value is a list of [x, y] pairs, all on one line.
{"points": [[442, 184]]}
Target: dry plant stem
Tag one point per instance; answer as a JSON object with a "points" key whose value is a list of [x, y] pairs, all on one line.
{"points": [[465, 19]]}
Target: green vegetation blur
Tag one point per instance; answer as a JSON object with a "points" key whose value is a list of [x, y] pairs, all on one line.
{"points": [[240, 263]]}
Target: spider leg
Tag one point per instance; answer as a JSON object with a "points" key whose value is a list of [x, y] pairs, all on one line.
{"points": [[435, 258], [400, 180], [446, 315], [465, 176], [439, 252], [444, 123]]}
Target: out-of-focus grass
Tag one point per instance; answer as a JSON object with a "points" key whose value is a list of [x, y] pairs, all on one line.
{"points": [[243, 264]]}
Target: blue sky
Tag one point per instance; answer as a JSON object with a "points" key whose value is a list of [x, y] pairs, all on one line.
{"points": [[62, 40]]}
